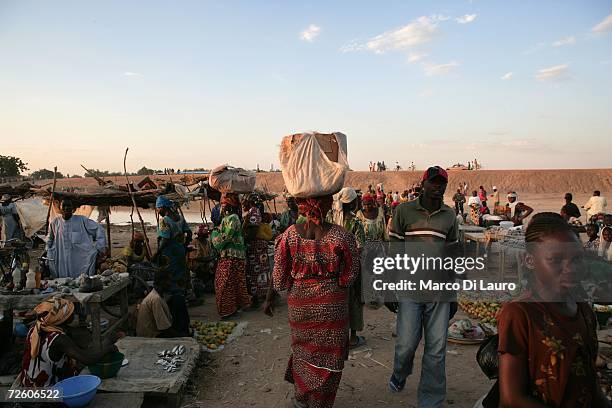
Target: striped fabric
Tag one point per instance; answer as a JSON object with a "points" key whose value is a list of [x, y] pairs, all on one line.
{"points": [[412, 222]]}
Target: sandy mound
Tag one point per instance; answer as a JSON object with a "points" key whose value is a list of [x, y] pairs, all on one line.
{"points": [[523, 181]]}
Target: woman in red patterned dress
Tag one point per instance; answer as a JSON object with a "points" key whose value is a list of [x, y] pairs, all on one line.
{"points": [[315, 262]]}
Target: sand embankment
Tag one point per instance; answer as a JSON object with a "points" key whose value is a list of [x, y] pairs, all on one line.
{"points": [[578, 181], [523, 181]]}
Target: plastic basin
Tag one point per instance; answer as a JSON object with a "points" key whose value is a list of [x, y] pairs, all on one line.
{"points": [[79, 391], [108, 367]]}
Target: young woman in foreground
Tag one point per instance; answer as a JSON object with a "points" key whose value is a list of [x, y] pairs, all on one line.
{"points": [[547, 339]]}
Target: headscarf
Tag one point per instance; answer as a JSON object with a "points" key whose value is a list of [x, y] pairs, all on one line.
{"points": [[163, 202], [50, 313], [367, 198], [513, 205], [230, 199], [254, 216], [315, 209], [345, 196], [254, 198], [605, 247]]}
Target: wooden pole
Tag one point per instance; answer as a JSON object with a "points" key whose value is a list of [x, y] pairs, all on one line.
{"points": [[108, 233], [51, 199], [134, 206], [100, 180], [132, 221]]}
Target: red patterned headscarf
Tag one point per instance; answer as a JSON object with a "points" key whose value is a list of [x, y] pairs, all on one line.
{"points": [[367, 198], [315, 209], [230, 199]]}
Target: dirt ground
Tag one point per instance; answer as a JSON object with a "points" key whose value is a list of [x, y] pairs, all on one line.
{"points": [[249, 371]]}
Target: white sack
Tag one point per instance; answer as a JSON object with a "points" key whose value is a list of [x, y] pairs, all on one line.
{"points": [[307, 170]]}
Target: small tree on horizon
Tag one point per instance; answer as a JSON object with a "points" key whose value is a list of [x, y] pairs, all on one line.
{"points": [[44, 174], [144, 171], [11, 166]]}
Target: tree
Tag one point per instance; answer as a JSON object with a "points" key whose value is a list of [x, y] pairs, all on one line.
{"points": [[44, 174], [11, 166], [145, 172]]}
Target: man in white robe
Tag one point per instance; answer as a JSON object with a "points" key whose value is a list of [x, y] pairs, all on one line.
{"points": [[73, 243]]}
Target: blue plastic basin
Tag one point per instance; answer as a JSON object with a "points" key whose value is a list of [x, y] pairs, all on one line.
{"points": [[79, 391]]}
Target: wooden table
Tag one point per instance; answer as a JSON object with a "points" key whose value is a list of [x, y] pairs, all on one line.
{"points": [[94, 300], [91, 301], [478, 237], [143, 375]]}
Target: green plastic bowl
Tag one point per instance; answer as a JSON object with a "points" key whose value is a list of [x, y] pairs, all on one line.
{"points": [[108, 367]]}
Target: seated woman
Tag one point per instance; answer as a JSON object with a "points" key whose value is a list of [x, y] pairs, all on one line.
{"points": [[50, 355], [136, 251], [201, 254]]}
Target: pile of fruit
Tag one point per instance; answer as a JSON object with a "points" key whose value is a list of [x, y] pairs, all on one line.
{"points": [[213, 335], [485, 311]]}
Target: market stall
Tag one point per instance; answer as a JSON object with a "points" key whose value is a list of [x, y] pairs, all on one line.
{"points": [[92, 302], [144, 372]]}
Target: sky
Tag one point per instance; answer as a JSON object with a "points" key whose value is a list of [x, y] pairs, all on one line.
{"points": [[190, 84]]}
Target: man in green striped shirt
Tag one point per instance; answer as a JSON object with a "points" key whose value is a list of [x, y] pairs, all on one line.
{"points": [[428, 228]]}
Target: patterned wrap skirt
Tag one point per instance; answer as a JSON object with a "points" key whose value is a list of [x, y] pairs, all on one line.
{"points": [[258, 268], [319, 322], [230, 286]]}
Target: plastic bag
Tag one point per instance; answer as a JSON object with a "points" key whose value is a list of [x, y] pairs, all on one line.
{"points": [[228, 179], [488, 358], [314, 164]]}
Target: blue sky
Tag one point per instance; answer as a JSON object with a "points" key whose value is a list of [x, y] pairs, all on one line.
{"points": [[196, 84]]}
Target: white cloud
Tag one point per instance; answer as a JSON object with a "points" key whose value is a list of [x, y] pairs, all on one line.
{"points": [[132, 74], [440, 69], [419, 31], [310, 33], [507, 76], [604, 27], [556, 73], [426, 93], [565, 41], [466, 19], [415, 57]]}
